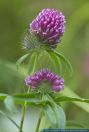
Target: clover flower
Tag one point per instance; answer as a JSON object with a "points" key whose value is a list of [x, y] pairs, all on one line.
{"points": [[44, 76], [49, 26]]}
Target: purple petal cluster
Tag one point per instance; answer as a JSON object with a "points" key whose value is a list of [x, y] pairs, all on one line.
{"points": [[49, 26], [56, 82]]}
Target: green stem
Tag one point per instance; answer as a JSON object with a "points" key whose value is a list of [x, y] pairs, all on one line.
{"points": [[34, 66], [23, 114], [24, 106], [22, 118], [39, 121]]}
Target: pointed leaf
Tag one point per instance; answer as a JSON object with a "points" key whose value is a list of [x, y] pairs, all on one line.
{"points": [[32, 63], [57, 62], [61, 119], [30, 99], [21, 59], [49, 112], [80, 103], [59, 113], [66, 62], [45, 61], [9, 104], [70, 99]]}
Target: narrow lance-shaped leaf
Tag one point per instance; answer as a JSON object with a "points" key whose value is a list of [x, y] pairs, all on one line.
{"points": [[49, 112], [61, 119], [57, 62], [45, 61], [21, 59], [66, 61], [70, 99], [59, 113], [32, 63], [30, 99], [10, 104], [71, 95]]}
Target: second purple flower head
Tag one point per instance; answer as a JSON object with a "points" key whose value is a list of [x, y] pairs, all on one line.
{"points": [[44, 76]]}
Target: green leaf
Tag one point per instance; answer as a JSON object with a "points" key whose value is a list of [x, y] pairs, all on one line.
{"points": [[69, 93], [1, 112], [28, 95], [9, 104], [59, 113], [66, 62], [3, 96], [21, 59], [30, 99], [72, 124], [49, 112], [55, 115], [45, 61], [32, 63], [70, 99], [57, 62]]}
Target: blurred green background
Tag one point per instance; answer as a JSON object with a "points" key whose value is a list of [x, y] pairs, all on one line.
{"points": [[15, 16]]}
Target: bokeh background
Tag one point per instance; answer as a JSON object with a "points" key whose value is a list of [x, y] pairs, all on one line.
{"points": [[15, 16]]}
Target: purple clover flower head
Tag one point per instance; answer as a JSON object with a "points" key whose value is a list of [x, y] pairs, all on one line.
{"points": [[49, 26], [44, 75]]}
